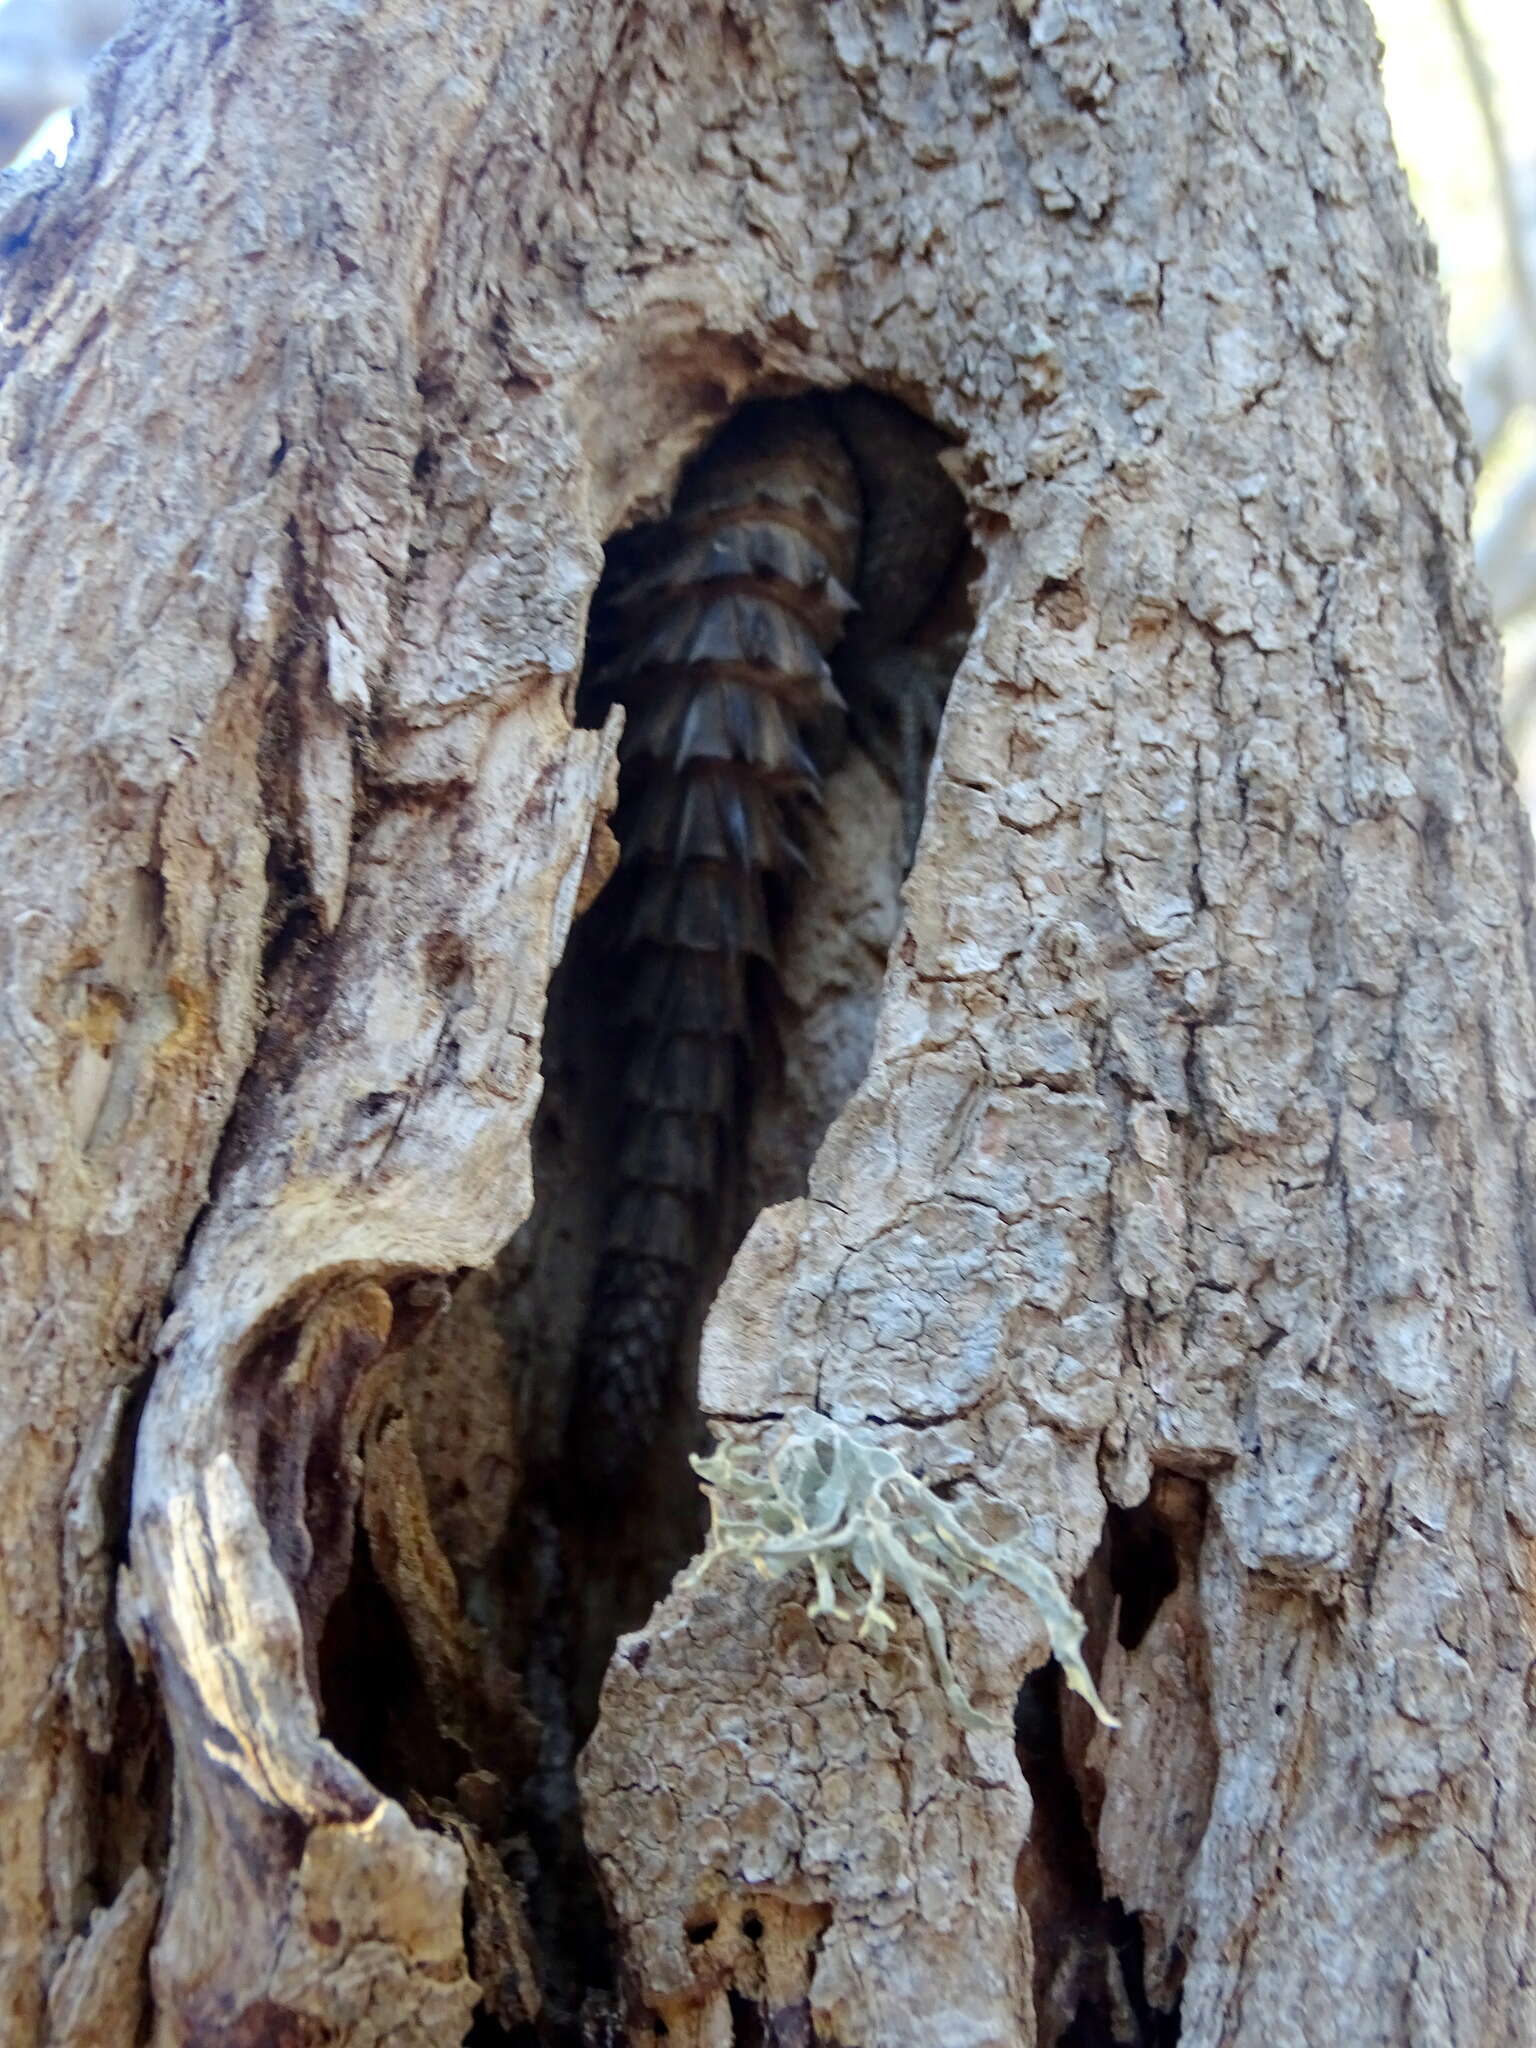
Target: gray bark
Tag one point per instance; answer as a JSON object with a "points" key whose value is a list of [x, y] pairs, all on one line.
{"points": [[1192, 1167]]}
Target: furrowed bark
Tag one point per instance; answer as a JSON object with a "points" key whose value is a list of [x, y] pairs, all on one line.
{"points": [[1183, 1216]]}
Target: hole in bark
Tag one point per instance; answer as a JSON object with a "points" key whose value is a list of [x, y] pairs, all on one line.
{"points": [[373, 1704], [290, 914], [716, 1004], [714, 1010], [1090, 1989], [746, 2023], [128, 1765], [1094, 1984], [1143, 1568], [1063, 603], [486, 2032]]}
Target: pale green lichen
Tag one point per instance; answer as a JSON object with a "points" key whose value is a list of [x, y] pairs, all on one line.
{"points": [[830, 1498]]}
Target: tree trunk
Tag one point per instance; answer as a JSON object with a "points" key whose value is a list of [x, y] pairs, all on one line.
{"points": [[1181, 1220]]}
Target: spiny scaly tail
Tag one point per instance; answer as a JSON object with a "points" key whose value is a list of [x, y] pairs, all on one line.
{"points": [[724, 635]]}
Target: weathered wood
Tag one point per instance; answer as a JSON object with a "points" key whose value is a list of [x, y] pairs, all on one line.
{"points": [[1197, 1137]]}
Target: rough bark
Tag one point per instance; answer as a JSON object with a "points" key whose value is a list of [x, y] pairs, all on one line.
{"points": [[1183, 1216]]}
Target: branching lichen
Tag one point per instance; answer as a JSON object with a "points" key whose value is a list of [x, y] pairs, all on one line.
{"points": [[827, 1497]]}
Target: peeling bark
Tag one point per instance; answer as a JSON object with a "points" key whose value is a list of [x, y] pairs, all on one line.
{"points": [[1188, 1184]]}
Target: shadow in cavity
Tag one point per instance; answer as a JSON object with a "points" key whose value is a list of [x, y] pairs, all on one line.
{"points": [[1143, 1568], [1091, 1965]]}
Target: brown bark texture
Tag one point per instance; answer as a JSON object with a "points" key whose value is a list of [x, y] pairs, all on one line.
{"points": [[1182, 1219]]}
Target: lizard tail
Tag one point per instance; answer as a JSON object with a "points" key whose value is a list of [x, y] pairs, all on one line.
{"points": [[723, 626]]}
